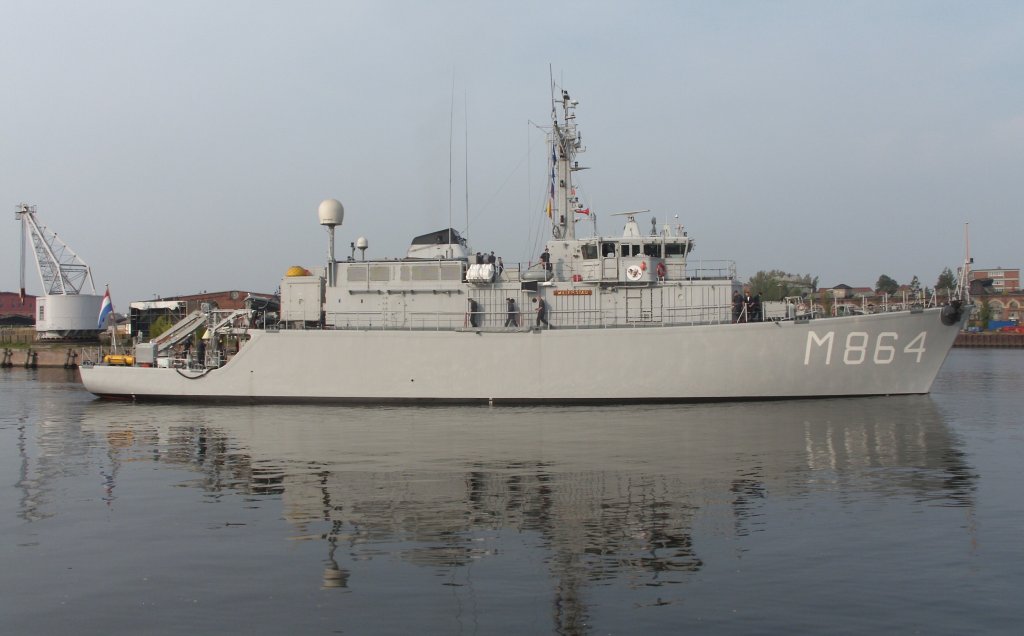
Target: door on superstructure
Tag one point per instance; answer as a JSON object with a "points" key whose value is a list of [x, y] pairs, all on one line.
{"points": [[641, 306], [609, 261]]}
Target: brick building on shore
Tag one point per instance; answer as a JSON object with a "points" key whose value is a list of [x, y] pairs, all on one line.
{"points": [[14, 312], [142, 314]]}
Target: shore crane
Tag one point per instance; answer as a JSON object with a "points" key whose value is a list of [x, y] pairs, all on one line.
{"points": [[69, 306]]}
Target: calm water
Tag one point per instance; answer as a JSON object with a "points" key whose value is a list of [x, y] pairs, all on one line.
{"points": [[881, 515]]}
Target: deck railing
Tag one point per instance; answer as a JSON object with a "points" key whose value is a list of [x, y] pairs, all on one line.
{"points": [[490, 317]]}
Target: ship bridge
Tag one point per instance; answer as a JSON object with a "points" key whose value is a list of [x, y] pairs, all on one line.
{"points": [[631, 258]]}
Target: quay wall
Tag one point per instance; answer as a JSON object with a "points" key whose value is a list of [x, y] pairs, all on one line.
{"points": [[993, 340], [41, 356]]}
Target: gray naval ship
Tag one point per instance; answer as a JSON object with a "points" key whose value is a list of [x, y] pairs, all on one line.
{"points": [[630, 318]]}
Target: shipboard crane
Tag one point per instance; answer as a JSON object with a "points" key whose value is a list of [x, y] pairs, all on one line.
{"points": [[69, 305]]}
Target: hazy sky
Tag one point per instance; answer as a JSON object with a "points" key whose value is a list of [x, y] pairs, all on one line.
{"points": [[184, 146]]}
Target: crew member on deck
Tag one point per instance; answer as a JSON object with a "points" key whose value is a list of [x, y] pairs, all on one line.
{"points": [[542, 312], [545, 258], [474, 313], [755, 309], [513, 319]]}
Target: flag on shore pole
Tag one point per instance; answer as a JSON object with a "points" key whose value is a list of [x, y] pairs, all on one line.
{"points": [[105, 310]]}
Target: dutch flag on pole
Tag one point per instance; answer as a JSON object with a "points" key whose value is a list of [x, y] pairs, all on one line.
{"points": [[105, 309]]}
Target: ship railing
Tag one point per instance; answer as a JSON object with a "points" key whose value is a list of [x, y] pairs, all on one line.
{"points": [[643, 317], [709, 269], [422, 321], [579, 318], [698, 315], [509, 273], [903, 301]]}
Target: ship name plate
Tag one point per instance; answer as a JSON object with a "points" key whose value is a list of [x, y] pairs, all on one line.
{"points": [[574, 292]]}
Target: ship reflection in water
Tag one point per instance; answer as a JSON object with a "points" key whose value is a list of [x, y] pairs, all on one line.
{"points": [[586, 497]]}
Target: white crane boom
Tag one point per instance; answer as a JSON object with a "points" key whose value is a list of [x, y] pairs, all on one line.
{"points": [[61, 271]]}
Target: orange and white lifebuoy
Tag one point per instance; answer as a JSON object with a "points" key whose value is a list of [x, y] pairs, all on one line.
{"points": [[661, 270]]}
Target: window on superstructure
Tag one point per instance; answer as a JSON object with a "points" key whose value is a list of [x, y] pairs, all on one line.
{"points": [[630, 250], [676, 249], [452, 271], [652, 249], [589, 250], [608, 249]]}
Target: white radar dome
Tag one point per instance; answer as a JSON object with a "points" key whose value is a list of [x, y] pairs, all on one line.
{"points": [[361, 243], [331, 212]]}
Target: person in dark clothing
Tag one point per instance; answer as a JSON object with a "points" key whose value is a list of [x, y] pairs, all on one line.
{"points": [[474, 313], [755, 309], [545, 258], [479, 258], [737, 305], [513, 319], [490, 258], [542, 312]]}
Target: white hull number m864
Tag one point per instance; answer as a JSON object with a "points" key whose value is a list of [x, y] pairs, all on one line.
{"points": [[859, 349]]}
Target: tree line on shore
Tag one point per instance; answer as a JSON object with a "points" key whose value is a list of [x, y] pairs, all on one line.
{"points": [[776, 284]]}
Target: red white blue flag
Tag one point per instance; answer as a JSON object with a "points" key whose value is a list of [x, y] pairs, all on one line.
{"points": [[105, 310]]}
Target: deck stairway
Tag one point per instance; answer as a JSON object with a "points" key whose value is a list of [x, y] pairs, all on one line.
{"points": [[180, 331]]}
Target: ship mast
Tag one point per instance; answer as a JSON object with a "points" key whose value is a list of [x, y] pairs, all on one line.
{"points": [[566, 142]]}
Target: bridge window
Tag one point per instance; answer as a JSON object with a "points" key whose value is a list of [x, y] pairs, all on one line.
{"points": [[652, 249], [608, 249], [589, 250], [676, 249]]}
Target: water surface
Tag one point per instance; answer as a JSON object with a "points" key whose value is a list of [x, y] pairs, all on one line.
{"points": [[891, 515]]}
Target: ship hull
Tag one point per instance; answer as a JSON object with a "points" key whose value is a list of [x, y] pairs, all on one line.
{"points": [[879, 354]]}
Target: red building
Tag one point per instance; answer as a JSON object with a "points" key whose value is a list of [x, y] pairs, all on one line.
{"points": [[1003, 280], [15, 312]]}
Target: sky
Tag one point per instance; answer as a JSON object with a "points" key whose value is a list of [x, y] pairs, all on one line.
{"points": [[181, 147]]}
